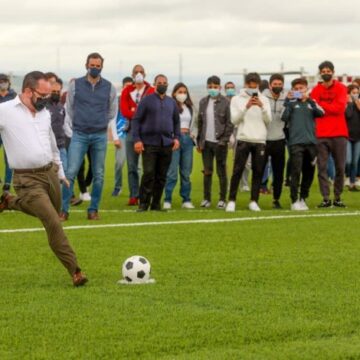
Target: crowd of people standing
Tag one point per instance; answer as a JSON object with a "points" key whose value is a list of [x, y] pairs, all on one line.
{"points": [[155, 135]]}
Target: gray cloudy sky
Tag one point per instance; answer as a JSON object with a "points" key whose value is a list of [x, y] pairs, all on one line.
{"points": [[214, 36]]}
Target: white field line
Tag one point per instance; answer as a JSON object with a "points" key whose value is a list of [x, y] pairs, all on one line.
{"points": [[187, 222]]}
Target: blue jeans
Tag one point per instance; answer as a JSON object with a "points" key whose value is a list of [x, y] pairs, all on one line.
{"points": [[352, 159], [63, 158], [8, 171], [133, 167], [80, 144], [182, 161], [120, 158]]}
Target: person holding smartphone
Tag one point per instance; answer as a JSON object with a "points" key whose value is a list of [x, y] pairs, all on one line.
{"points": [[299, 115], [251, 113]]}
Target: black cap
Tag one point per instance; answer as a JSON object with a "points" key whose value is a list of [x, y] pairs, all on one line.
{"points": [[4, 77]]}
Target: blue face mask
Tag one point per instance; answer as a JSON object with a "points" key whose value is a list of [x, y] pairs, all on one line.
{"points": [[213, 92], [230, 92], [94, 72]]}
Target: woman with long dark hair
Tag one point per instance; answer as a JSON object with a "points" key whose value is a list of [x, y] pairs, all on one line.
{"points": [[182, 159]]}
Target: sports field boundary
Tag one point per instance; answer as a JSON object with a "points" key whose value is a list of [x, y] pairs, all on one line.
{"points": [[188, 222]]}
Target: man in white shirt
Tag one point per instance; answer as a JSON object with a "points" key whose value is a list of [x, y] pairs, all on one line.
{"points": [[25, 128]]}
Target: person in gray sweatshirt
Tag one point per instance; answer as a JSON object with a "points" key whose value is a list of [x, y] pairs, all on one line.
{"points": [[275, 140]]}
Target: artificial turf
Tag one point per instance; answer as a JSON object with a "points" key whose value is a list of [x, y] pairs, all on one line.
{"points": [[266, 289]]}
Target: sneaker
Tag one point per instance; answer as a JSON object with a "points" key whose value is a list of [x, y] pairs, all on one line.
{"points": [[253, 206], [167, 205], [296, 206], [230, 207], [339, 203], [205, 204], [357, 182], [85, 196], [116, 192], [245, 188], [276, 205], [325, 204], [347, 182], [353, 188], [188, 205], [221, 205], [303, 205], [133, 201]]}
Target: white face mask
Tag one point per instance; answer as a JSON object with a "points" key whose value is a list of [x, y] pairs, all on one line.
{"points": [[139, 78], [251, 92], [181, 98]]}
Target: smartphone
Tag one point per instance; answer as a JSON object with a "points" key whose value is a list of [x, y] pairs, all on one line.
{"points": [[255, 94], [297, 94]]}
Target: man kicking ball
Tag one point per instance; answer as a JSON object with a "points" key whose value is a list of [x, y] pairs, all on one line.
{"points": [[25, 128]]}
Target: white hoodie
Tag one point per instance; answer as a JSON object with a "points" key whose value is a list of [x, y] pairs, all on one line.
{"points": [[251, 122]]}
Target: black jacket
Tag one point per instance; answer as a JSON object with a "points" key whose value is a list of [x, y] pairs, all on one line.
{"points": [[57, 113], [352, 115]]}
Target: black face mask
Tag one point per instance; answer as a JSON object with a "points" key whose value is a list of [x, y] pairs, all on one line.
{"points": [[161, 89], [39, 104], [277, 90], [55, 98], [326, 77]]}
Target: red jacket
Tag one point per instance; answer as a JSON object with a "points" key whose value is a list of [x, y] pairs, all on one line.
{"points": [[127, 105], [333, 100]]}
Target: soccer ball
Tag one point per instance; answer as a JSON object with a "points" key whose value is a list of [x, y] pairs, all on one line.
{"points": [[136, 270]]}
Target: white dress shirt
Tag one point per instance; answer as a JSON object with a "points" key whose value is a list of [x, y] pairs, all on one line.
{"points": [[28, 139]]}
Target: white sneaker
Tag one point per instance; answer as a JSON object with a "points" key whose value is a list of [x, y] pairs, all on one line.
{"points": [[85, 196], [230, 207], [296, 206], [347, 182], [187, 205], [167, 205], [245, 188], [303, 205], [253, 206], [221, 205], [357, 182], [205, 204]]}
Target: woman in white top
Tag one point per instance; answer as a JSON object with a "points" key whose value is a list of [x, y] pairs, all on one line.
{"points": [[182, 159]]}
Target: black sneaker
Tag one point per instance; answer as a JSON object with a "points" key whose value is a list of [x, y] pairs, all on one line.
{"points": [[325, 204], [339, 203], [276, 204]]}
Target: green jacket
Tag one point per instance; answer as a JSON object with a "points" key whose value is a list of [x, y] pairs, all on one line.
{"points": [[300, 118]]}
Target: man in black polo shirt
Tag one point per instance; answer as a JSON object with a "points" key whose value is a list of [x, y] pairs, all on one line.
{"points": [[155, 131]]}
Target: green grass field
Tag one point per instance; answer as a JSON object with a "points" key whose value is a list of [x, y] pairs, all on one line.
{"points": [[279, 287]]}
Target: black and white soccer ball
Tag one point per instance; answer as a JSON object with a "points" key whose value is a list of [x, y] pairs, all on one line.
{"points": [[136, 270]]}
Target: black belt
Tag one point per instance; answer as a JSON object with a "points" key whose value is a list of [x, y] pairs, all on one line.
{"points": [[36, 170]]}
